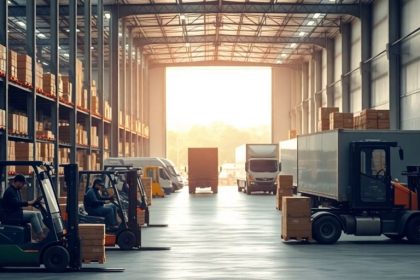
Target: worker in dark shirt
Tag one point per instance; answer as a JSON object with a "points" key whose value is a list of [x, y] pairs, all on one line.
{"points": [[95, 205], [13, 212]]}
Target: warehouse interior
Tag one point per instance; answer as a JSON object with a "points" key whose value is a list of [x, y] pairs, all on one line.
{"points": [[82, 81]]}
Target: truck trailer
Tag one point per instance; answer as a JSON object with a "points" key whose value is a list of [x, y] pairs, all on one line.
{"points": [[257, 167], [203, 169], [353, 180]]}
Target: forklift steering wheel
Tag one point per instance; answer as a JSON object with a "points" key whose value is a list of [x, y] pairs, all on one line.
{"points": [[379, 172], [37, 203]]}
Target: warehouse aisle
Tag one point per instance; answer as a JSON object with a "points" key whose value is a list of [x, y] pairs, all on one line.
{"points": [[235, 236]]}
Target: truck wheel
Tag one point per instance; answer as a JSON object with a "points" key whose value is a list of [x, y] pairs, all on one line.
{"points": [[395, 237], [56, 258], [126, 240], [326, 230], [413, 230]]}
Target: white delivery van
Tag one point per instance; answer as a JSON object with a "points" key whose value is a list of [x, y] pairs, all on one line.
{"points": [[141, 162], [174, 173]]}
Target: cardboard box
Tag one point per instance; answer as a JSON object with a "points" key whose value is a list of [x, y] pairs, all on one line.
{"points": [[324, 112], [296, 207], [292, 133], [383, 115], [147, 183], [285, 181], [49, 84], [280, 194]]}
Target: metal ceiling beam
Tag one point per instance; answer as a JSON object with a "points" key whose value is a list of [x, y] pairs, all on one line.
{"points": [[291, 63], [231, 39], [236, 7], [125, 10]]}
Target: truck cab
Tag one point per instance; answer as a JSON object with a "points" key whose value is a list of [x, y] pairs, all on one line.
{"points": [[261, 175]]}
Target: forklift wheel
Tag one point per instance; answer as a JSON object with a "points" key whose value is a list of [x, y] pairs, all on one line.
{"points": [[126, 240], [413, 230], [56, 258], [326, 229]]}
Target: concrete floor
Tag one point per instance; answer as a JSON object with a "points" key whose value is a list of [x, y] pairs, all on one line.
{"points": [[235, 236]]}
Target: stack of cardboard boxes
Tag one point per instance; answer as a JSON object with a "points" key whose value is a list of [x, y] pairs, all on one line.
{"points": [[107, 111], [106, 142], [341, 120], [296, 218], [2, 118], [43, 129], [49, 84], [64, 132], [284, 188], [372, 119], [324, 117], [39, 76], [94, 103], [65, 90], [23, 151], [45, 152], [80, 92], [147, 183], [3, 60], [81, 135], [92, 239], [292, 133], [11, 154], [18, 124], [94, 139], [13, 65], [24, 69]]}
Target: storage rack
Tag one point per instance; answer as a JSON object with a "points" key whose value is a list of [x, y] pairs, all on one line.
{"points": [[57, 36]]}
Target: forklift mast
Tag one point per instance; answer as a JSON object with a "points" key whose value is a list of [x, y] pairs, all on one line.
{"points": [[71, 177], [132, 205]]}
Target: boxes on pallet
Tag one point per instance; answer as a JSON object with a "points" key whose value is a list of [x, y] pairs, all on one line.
{"points": [[94, 139], [24, 68], [18, 124], [296, 218], [3, 59], [94, 105], [12, 64], [49, 84], [92, 239], [23, 151], [66, 89], [147, 183], [39, 76], [341, 120], [324, 117], [284, 188]]}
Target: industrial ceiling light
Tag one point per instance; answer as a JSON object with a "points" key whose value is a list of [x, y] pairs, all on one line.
{"points": [[182, 17], [41, 36], [66, 55], [283, 55], [293, 45], [279, 61], [187, 45], [317, 15], [107, 15], [311, 22], [21, 24], [301, 34]]}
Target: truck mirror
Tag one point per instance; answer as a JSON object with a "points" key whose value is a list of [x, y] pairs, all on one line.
{"points": [[401, 153], [279, 165]]}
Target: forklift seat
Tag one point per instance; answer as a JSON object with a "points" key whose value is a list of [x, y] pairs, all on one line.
{"points": [[85, 218]]}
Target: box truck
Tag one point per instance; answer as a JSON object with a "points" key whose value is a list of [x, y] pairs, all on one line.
{"points": [[257, 167], [203, 169]]}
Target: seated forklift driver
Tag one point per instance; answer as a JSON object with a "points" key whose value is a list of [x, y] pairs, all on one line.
{"points": [[95, 205], [13, 212]]}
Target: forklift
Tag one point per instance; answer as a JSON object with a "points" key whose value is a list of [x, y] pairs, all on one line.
{"points": [[143, 203], [60, 250], [128, 234]]}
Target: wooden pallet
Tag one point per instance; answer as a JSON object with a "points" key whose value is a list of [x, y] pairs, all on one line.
{"points": [[66, 102], [13, 79], [83, 109], [297, 238], [45, 138], [18, 133], [48, 94], [25, 84], [39, 90], [88, 261]]}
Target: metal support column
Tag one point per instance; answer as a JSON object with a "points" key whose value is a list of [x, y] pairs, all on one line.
{"points": [[87, 53], [123, 92], [135, 101], [31, 51], [129, 88], [100, 85], [366, 37], [4, 85], [345, 66], [304, 98], [330, 72], [141, 101], [73, 76], [318, 84], [394, 59], [54, 68], [115, 79]]}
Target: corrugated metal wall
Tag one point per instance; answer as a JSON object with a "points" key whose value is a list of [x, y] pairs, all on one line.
{"points": [[410, 76], [355, 77], [337, 72]]}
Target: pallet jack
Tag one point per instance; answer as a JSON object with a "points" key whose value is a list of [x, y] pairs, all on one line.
{"points": [[143, 203], [128, 234], [60, 250]]}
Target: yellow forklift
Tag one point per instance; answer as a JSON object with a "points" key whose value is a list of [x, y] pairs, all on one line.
{"points": [[60, 250], [154, 173]]}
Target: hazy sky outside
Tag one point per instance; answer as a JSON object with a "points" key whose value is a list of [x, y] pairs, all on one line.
{"points": [[238, 96]]}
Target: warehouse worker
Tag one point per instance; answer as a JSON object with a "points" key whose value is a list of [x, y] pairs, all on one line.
{"points": [[13, 212], [95, 205]]}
